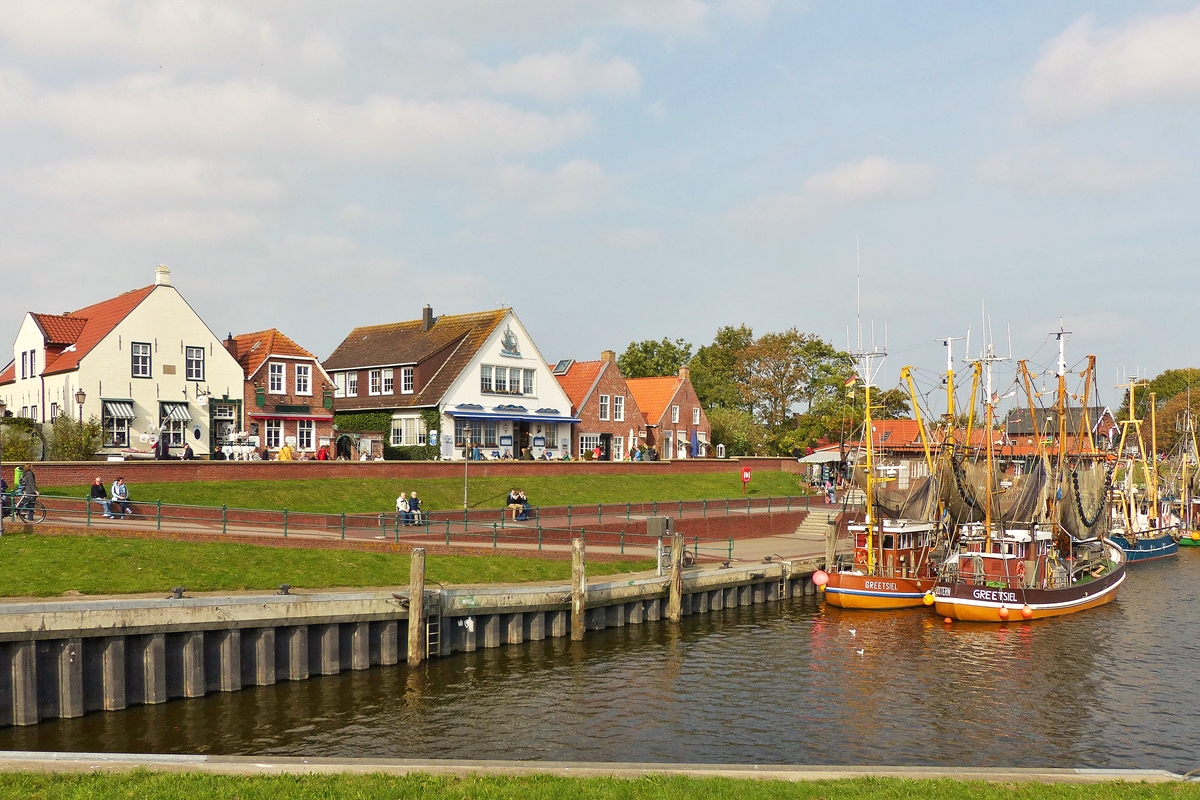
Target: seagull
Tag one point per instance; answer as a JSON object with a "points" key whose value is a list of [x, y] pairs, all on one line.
{"points": [[853, 632], [860, 651]]}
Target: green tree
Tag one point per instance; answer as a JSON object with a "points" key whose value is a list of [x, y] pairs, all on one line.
{"points": [[17, 443], [1165, 386], [737, 429], [715, 369], [774, 376], [72, 440], [651, 359], [890, 404]]}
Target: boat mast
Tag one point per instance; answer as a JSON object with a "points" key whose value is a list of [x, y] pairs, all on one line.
{"points": [[1152, 478], [866, 372], [989, 404], [1061, 405]]}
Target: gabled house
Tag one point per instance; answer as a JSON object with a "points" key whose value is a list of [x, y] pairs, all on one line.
{"points": [[287, 393], [493, 392], [601, 400], [143, 363], [676, 425]]}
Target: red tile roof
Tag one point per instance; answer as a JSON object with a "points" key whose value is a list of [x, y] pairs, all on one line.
{"points": [[579, 381], [60, 328], [653, 395], [252, 349], [9, 373]]}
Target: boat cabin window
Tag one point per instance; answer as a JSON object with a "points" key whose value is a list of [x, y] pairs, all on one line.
{"points": [[906, 541], [888, 541]]}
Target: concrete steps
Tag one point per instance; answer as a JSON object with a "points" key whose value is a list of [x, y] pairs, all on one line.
{"points": [[813, 527]]}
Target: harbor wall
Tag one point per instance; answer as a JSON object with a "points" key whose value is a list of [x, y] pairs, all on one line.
{"points": [[64, 658]]}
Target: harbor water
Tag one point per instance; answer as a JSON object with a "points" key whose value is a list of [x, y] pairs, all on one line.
{"points": [[795, 683]]}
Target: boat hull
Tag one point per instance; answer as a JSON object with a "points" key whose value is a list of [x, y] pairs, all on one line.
{"points": [[972, 603], [847, 590], [1147, 549]]}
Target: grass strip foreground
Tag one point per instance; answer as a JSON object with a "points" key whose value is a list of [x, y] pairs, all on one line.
{"points": [[45, 566], [144, 785]]}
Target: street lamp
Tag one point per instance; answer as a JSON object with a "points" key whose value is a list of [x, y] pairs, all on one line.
{"points": [[466, 463], [80, 397], [3, 409]]}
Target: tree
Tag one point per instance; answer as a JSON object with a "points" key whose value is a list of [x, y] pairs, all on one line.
{"points": [[650, 359], [715, 369], [774, 376], [74, 440], [1172, 419], [16, 441], [890, 404], [736, 429], [1165, 386]]}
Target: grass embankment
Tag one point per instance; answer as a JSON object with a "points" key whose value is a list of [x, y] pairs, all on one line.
{"points": [[152, 786], [355, 496], [46, 566]]}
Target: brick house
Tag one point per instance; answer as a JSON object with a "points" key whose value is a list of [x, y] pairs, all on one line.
{"points": [[144, 363], [673, 414], [601, 399], [480, 372], [287, 393]]}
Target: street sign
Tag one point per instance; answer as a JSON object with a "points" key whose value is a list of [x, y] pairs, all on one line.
{"points": [[745, 478]]}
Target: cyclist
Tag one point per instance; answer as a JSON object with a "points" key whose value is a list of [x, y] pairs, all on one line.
{"points": [[28, 491]]}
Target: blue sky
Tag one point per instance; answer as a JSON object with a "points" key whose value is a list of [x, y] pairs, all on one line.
{"points": [[616, 171]]}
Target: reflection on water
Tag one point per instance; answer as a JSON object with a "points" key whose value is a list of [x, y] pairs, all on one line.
{"points": [[1114, 687]]}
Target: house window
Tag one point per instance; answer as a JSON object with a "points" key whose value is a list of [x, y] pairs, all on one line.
{"points": [[277, 378], [501, 379], [618, 408], [33, 363], [351, 384], [304, 434], [375, 378], [33, 412], [303, 379], [116, 432], [675, 414], [140, 355], [528, 385], [397, 432], [695, 416], [468, 430], [406, 380], [485, 378], [195, 363], [408, 431], [604, 408], [389, 384], [172, 430], [25, 411], [618, 448], [339, 384], [274, 431], [53, 411], [24, 365], [552, 434], [489, 433], [588, 441]]}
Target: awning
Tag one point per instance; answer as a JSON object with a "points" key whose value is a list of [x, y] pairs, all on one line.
{"points": [[325, 418], [504, 416], [119, 409], [176, 412], [821, 457]]}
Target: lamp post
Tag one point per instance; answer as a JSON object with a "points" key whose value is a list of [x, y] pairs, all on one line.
{"points": [[3, 409], [80, 397], [466, 462]]}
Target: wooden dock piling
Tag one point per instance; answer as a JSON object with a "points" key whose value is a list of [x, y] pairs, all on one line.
{"points": [[416, 607]]}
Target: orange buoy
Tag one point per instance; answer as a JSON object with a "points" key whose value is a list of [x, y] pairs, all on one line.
{"points": [[948, 620], [1003, 612], [1027, 612]]}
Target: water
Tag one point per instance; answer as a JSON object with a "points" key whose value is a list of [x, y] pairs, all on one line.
{"points": [[1112, 687]]}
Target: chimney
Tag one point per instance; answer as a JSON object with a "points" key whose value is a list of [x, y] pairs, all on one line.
{"points": [[608, 355], [427, 319], [231, 345], [685, 373], [162, 275]]}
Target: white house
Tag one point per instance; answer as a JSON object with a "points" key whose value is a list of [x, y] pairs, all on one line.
{"points": [[481, 372], [143, 363]]}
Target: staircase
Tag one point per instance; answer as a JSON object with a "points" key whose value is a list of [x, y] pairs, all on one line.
{"points": [[813, 527]]}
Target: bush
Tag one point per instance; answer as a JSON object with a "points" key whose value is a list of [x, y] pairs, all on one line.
{"points": [[409, 453], [75, 441], [19, 440]]}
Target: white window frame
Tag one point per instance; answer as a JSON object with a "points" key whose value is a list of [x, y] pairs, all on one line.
{"points": [[116, 432], [276, 370], [339, 384], [551, 434], [374, 382], [496, 384], [193, 356], [603, 411], [617, 449], [397, 433], [588, 441], [304, 379], [352, 384], [53, 411], [696, 416], [33, 363], [273, 434], [174, 431], [24, 364], [389, 380], [485, 379], [675, 415], [527, 385], [139, 359], [306, 429], [407, 382], [618, 407]]}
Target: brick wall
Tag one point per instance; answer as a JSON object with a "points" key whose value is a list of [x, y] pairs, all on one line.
{"points": [[611, 384]]}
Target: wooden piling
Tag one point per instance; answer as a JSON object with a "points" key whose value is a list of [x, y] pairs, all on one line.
{"points": [[416, 607], [675, 600], [578, 590], [830, 546]]}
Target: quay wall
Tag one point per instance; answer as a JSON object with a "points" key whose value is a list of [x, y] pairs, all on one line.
{"points": [[70, 473], [67, 657]]}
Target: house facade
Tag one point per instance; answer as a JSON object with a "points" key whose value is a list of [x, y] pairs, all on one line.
{"points": [[147, 366], [609, 418], [480, 372], [676, 425], [287, 394]]}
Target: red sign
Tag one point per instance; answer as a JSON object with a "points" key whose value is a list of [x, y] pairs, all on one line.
{"points": [[745, 474]]}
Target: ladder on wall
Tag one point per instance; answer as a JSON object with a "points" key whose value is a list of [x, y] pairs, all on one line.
{"points": [[433, 636]]}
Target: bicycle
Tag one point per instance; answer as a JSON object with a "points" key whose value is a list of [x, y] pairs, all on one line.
{"points": [[19, 508], [686, 559]]}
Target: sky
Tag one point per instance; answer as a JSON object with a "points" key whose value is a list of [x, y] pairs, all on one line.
{"points": [[617, 171]]}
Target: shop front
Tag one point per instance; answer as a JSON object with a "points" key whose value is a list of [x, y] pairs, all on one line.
{"points": [[508, 432]]}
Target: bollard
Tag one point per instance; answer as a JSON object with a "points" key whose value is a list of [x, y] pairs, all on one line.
{"points": [[224, 518], [494, 535], [731, 548], [704, 507], [622, 542], [628, 508], [88, 509], [157, 515], [675, 598], [285, 523], [539, 537], [416, 607], [568, 515], [789, 502], [578, 590], [727, 506], [768, 505], [343, 526]]}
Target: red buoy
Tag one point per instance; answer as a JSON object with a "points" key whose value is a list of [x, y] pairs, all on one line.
{"points": [[1027, 612], [948, 620], [1003, 612]]}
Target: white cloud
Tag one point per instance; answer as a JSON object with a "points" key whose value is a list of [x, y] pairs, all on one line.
{"points": [[153, 180], [1045, 170], [572, 187], [771, 211], [1088, 68], [872, 177], [562, 76], [148, 112], [185, 225]]}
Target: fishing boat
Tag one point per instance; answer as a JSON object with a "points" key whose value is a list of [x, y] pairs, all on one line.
{"points": [[1043, 553], [1184, 464], [1142, 528]]}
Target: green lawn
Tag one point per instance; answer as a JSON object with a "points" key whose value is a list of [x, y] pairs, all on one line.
{"points": [[51, 565], [143, 785], [356, 496]]}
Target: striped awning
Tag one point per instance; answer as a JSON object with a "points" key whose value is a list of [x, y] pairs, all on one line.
{"points": [[176, 412], [119, 409]]}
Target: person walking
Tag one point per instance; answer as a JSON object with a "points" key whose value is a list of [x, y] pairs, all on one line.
{"points": [[402, 508], [100, 495], [119, 506], [28, 490]]}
